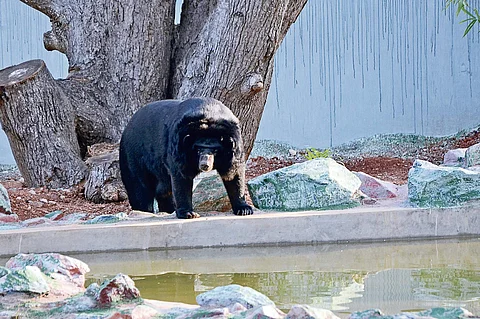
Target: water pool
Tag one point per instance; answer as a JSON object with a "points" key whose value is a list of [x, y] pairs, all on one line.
{"points": [[394, 277]]}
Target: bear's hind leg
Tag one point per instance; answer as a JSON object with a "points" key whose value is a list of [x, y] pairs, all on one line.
{"points": [[165, 203], [140, 197], [164, 196]]}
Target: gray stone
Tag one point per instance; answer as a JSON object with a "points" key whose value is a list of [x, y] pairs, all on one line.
{"points": [[4, 201], [320, 183], [226, 296], [29, 279], [455, 157], [307, 312], [472, 155], [430, 185]]}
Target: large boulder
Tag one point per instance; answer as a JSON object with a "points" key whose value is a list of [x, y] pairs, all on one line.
{"points": [[472, 155], [320, 183], [430, 185], [53, 265], [228, 296], [29, 279], [209, 193]]}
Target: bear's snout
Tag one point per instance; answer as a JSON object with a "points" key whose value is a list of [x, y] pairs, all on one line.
{"points": [[205, 162]]}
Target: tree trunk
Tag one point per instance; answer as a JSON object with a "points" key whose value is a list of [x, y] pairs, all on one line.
{"points": [[39, 122], [124, 54], [225, 49]]}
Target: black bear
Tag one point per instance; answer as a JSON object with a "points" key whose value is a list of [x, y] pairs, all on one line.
{"points": [[167, 143]]}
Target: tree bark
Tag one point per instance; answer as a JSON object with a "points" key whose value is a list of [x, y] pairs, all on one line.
{"points": [[39, 122], [123, 54], [225, 49], [103, 183]]}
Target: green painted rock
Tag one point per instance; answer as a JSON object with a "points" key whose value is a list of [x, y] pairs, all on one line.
{"points": [[472, 155], [320, 183], [5, 206], [446, 313], [29, 279], [430, 185], [4, 271], [108, 219]]}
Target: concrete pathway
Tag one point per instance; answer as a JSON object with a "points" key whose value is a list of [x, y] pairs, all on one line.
{"points": [[362, 224]]}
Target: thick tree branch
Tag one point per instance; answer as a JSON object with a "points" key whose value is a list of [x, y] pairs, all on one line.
{"points": [[225, 49]]}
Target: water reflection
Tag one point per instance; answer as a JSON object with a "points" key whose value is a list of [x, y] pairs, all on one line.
{"points": [[394, 277]]}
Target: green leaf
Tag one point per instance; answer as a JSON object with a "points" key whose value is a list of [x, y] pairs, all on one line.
{"points": [[469, 27]]}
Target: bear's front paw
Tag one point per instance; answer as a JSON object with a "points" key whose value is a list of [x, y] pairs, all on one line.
{"points": [[243, 210], [186, 215]]}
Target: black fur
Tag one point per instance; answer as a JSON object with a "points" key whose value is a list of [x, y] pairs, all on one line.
{"points": [[159, 154]]}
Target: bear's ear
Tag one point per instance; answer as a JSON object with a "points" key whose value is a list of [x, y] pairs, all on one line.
{"points": [[228, 143]]}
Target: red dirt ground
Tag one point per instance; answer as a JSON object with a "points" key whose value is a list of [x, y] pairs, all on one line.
{"points": [[29, 203]]}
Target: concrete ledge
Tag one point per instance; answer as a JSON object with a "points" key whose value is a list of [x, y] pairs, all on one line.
{"points": [[353, 225]]}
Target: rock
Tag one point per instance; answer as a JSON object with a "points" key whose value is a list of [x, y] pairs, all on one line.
{"points": [[73, 218], [376, 188], [227, 296], [430, 185], [120, 288], [472, 155], [5, 207], [307, 312], [446, 313], [455, 157], [209, 194], [55, 215], [366, 314], [4, 271], [320, 183], [143, 312], [28, 279], [53, 265], [220, 313], [8, 218], [265, 312], [107, 219], [37, 221]]}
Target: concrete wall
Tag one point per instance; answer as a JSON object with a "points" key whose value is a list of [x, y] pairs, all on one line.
{"points": [[347, 69], [21, 39], [350, 69]]}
